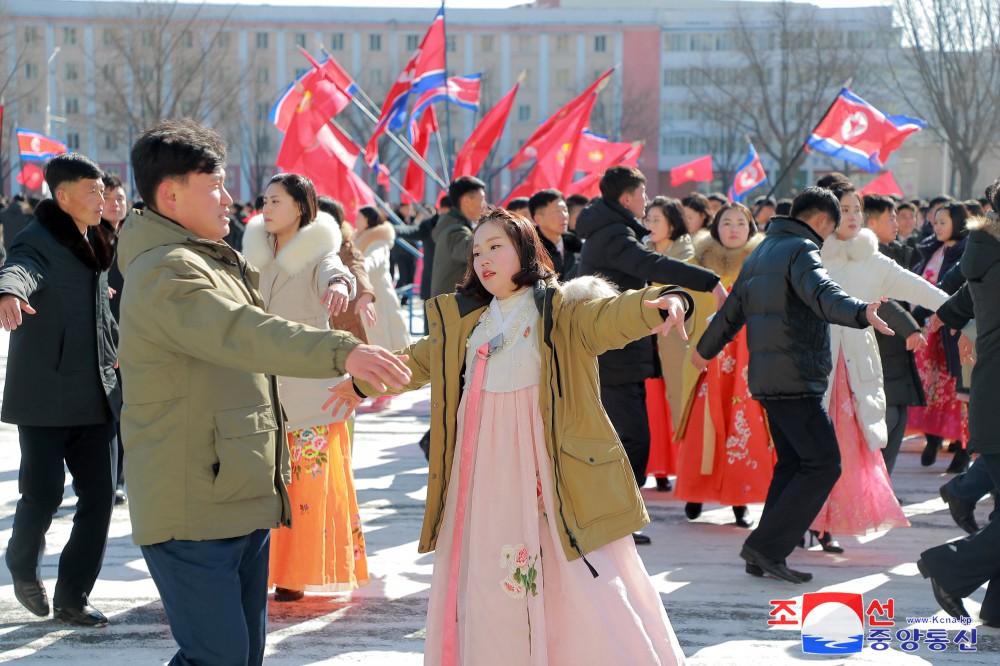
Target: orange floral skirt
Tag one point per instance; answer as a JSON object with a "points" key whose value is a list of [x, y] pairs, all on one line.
{"points": [[324, 551]]}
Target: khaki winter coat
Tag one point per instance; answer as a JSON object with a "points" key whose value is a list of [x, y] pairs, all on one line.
{"points": [[205, 454], [597, 495]]}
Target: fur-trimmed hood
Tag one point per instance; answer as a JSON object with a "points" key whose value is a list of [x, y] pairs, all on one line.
{"points": [[713, 255], [379, 233], [983, 250], [97, 255], [315, 240], [859, 248], [587, 288]]}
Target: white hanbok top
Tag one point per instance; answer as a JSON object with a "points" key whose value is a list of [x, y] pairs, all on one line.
{"points": [[516, 363]]}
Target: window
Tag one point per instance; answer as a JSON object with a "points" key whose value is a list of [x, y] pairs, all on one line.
{"points": [[187, 39], [300, 39], [32, 105], [73, 141], [263, 75], [337, 41], [375, 77], [69, 35], [600, 44], [222, 40], [674, 77], [187, 108], [30, 34], [299, 71], [263, 111], [524, 112], [412, 42], [108, 37], [451, 44], [263, 143], [562, 78], [146, 38], [562, 43], [110, 142], [486, 43], [30, 70], [72, 73], [72, 105], [262, 40], [524, 44], [374, 42], [146, 73], [672, 145], [675, 42]]}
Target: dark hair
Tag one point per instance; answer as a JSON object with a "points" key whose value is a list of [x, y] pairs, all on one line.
{"points": [[576, 201], [831, 179], [462, 186], [876, 204], [69, 168], [671, 209], [535, 261], [938, 200], [735, 205], [959, 216], [906, 205], [718, 196], [174, 149], [814, 200], [975, 208], [541, 199], [111, 181], [371, 215], [258, 202], [519, 203], [762, 201], [444, 201], [331, 207], [984, 202], [783, 207], [618, 180], [842, 188], [302, 192], [993, 195], [699, 204]]}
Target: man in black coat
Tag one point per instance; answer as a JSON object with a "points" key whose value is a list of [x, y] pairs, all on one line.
{"points": [[551, 217], [61, 388], [612, 231], [787, 302]]}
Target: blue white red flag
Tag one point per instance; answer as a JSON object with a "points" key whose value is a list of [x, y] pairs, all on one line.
{"points": [[461, 90], [36, 146], [317, 79], [748, 176], [424, 71], [855, 131]]}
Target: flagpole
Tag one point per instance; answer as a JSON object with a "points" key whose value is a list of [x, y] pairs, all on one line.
{"points": [[395, 220], [446, 164]]}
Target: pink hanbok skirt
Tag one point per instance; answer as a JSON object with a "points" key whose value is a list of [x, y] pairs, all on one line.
{"points": [[520, 601]]}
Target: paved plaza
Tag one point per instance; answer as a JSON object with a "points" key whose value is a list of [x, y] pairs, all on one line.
{"points": [[719, 613]]}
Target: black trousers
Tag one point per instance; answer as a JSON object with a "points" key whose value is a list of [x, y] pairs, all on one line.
{"points": [[807, 469], [896, 417], [626, 407], [90, 453], [961, 567]]}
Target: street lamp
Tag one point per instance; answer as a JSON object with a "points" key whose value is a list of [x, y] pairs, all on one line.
{"points": [[48, 91]]}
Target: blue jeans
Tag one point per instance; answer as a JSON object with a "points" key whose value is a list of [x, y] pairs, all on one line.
{"points": [[215, 596]]}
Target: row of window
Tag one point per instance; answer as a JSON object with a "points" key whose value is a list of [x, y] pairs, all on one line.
{"points": [[766, 40]]}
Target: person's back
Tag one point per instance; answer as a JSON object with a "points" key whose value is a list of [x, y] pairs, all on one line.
{"points": [[453, 234]]}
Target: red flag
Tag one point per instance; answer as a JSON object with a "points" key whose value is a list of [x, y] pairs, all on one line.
{"points": [[316, 88], [479, 144], [527, 150], [699, 171], [885, 184], [555, 149], [31, 176], [36, 146], [382, 176], [420, 138], [589, 186], [596, 153], [334, 72], [526, 188]]}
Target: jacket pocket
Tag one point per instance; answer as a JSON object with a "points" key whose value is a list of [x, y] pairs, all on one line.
{"points": [[596, 476], [245, 441]]}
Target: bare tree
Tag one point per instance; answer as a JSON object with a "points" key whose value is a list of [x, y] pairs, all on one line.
{"points": [[8, 94], [951, 49], [792, 67]]}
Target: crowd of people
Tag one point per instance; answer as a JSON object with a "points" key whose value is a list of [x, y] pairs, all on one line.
{"points": [[202, 362]]}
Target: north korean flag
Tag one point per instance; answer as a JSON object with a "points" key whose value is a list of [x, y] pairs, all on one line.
{"points": [[461, 90], [36, 146], [855, 131], [748, 176]]}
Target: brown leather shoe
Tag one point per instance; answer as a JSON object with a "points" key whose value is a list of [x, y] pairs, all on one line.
{"points": [[31, 594]]}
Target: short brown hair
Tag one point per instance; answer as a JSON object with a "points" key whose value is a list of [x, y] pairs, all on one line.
{"points": [[302, 192], [734, 205], [535, 261], [618, 180]]}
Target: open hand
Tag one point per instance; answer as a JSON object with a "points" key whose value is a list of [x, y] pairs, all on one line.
{"points": [[10, 311], [343, 399], [698, 361], [378, 367], [915, 341], [673, 305], [364, 308], [966, 349], [934, 323], [336, 299], [874, 320]]}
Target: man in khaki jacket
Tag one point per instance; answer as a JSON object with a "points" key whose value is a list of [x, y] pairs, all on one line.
{"points": [[203, 432]]}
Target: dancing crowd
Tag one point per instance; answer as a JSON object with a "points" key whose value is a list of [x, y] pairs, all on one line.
{"points": [[202, 362]]}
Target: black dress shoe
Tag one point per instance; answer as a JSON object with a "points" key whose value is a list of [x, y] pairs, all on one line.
{"points": [[743, 519], [963, 513], [88, 616], [692, 510], [664, 485], [772, 568], [949, 603], [960, 463], [929, 454], [120, 497], [992, 624], [31, 594], [641, 539], [755, 570], [285, 594]]}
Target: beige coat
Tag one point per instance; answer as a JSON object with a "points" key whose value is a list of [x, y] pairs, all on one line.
{"points": [[292, 284], [391, 330]]}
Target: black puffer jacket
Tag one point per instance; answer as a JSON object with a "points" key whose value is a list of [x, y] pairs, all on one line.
{"points": [[787, 302], [899, 366], [613, 250]]}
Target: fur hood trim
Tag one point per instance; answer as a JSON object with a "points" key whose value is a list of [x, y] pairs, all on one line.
{"points": [[312, 242], [587, 288], [990, 224], [713, 255], [97, 255], [859, 248], [379, 233]]}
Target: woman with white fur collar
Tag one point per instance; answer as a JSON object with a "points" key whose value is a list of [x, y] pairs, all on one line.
{"points": [[295, 246]]}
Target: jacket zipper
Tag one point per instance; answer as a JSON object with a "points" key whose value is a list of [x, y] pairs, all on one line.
{"points": [[444, 418]]}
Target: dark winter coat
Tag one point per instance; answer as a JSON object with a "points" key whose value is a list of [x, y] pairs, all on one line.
{"points": [[952, 256], [787, 301], [564, 263], [60, 368], [453, 237], [422, 232], [613, 250], [899, 365], [981, 267]]}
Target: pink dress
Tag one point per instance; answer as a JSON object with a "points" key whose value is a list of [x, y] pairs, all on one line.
{"points": [[520, 601], [863, 500]]}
